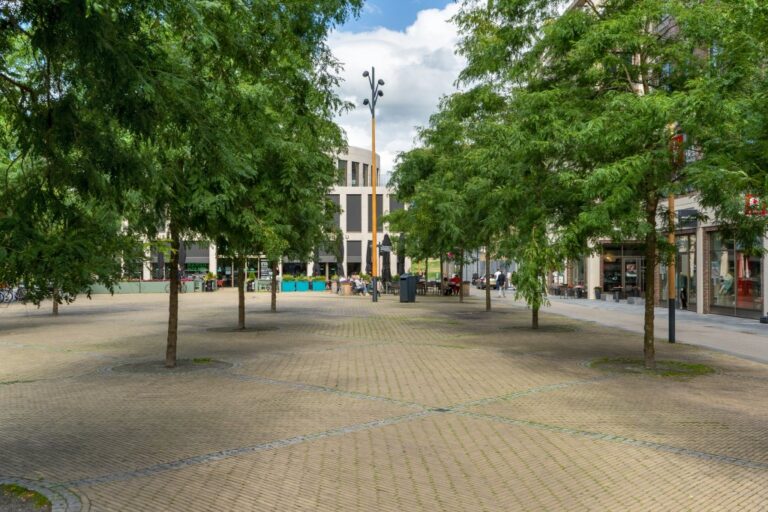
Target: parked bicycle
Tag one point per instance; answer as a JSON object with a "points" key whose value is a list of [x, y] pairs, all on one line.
{"points": [[8, 295]]}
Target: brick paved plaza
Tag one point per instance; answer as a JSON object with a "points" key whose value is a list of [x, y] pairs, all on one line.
{"points": [[335, 403]]}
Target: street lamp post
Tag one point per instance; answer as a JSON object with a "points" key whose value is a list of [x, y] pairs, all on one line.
{"points": [[375, 95], [678, 160]]}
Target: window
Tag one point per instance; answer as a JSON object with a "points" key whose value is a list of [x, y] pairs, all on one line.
{"points": [[354, 213], [355, 174], [365, 175], [342, 167], [379, 212], [735, 277]]}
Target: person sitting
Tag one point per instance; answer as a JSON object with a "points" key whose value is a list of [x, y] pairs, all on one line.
{"points": [[359, 287], [455, 284], [447, 287]]}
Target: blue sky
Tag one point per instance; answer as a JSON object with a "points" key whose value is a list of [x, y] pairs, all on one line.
{"points": [[391, 14], [412, 44]]}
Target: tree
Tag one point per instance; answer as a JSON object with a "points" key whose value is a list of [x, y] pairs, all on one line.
{"points": [[229, 62], [621, 73], [67, 144], [453, 196]]}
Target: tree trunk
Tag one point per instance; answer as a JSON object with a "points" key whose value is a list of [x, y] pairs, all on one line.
{"points": [[487, 278], [241, 293], [461, 277], [55, 297], [173, 303], [273, 305], [649, 351], [535, 317]]}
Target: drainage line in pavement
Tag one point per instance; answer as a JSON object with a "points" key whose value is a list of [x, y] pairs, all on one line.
{"points": [[234, 452], [598, 436], [533, 391], [325, 389]]}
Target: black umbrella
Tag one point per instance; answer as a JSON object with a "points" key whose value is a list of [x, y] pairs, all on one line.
{"points": [[401, 256], [340, 262], [368, 254], [386, 265]]}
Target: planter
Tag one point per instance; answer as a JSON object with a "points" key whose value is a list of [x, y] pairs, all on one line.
{"points": [[302, 286], [288, 286], [318, 286]]}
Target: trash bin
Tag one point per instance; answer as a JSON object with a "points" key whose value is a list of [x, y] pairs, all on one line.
{"points": [[598, 292], [250, 286], [407, 288]]}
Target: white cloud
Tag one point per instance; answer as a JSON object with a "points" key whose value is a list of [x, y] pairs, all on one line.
{"points": [[419, 66]]}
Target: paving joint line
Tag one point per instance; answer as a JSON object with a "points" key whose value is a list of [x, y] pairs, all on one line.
{"points": [[533, 391], [600, 436], [323, 389], [234, 452]]}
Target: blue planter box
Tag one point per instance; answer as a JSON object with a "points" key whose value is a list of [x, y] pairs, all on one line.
{"points": [[302, 286], [318, 286], [288, 286]]}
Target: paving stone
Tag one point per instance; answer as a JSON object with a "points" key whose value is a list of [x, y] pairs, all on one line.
{"points": [[335, 403]]}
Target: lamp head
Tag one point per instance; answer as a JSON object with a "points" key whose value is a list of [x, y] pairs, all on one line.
{"points": [[365, 74], [381, 82], [365, 101], [381, 93]]}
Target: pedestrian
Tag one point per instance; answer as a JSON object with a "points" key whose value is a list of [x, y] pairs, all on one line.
{"points": [[501, 281]]}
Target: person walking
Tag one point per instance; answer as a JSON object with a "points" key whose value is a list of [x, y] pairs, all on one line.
{"points": [[501, 283]]}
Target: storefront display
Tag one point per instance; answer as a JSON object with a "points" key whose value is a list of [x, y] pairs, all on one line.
{"points": [[735, 278]]}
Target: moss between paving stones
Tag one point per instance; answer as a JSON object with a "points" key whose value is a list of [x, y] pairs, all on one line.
{"points": [[636, 366], [15, 498]]}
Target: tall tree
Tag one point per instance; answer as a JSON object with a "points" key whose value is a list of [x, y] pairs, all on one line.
{"points": [[67, 149], [228, 62], [622, 73]]}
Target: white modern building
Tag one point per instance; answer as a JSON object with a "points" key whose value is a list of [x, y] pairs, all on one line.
{"points": [[353, 195]]}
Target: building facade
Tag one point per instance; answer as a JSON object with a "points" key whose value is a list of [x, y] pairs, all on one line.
{"points": [[353, 195], [714, 274]]}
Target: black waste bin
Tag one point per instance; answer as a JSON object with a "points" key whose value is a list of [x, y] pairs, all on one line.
{"points": [[598, 293], [407, 288]]}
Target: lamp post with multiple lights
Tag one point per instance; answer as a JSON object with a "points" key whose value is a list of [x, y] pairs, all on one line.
{"points": [[375, 95]]}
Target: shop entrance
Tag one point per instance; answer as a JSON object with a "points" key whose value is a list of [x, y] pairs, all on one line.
{"points": [[624, 270]]}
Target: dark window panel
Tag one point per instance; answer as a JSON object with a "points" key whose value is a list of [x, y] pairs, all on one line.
{"points": [[354, 213]]}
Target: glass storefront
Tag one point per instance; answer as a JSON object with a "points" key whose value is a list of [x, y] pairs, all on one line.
{"points": [[624, 269], [685, 272], [735, 278], [579, 269]]}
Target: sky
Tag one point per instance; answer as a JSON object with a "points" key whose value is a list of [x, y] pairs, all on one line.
{"points": [[412, 46]]}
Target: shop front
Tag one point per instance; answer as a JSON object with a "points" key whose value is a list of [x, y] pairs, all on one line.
{"points": [[623, 269], [685, 274], [735, 278]]}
